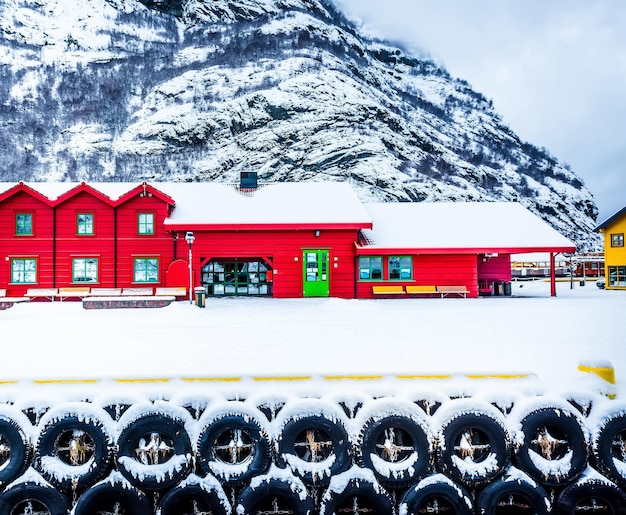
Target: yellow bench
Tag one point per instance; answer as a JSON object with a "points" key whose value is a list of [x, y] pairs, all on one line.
{"points": [[171, 291], [421, 289], [388, 290], [452, 290], [77, 291]]}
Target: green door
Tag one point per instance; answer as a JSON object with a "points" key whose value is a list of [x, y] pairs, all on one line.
{"points": [[316, 276]]}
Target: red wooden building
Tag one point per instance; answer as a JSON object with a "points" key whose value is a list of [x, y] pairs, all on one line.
{"points": [[280, 240]]}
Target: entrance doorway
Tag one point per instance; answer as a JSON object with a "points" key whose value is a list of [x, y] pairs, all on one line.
{"points": [[316, 280]]}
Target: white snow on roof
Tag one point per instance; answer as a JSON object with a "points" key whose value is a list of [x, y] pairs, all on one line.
{"points": [[474, 225], [54, 190], [277, 203]]}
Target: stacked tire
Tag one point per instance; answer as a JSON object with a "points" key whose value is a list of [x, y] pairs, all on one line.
{"points": [[314, 456]]}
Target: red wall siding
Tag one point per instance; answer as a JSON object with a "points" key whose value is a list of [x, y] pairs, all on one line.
{"points": [[39, 245], [284, 248], [70, 245], [433, 270], [131, 244]]}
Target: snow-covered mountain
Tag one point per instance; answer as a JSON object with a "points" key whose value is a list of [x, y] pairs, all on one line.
{"points": [[198, 90]]}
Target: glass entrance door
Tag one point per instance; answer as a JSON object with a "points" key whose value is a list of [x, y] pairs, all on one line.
{"points": [[316, 273]]}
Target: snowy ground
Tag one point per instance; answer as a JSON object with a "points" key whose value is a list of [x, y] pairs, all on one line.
{"points": [[248, 339]]}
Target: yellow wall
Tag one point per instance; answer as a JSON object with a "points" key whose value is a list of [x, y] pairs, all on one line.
{"points": [[614, 256]]}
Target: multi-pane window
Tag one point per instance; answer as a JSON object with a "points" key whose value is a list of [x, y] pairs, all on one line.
{"points": [[617, 240], [617, 276], [85, 270], [370, 268], [84, 223], [24, 224], [400, 267], [146, 270], [24, 271], [146, 223]]}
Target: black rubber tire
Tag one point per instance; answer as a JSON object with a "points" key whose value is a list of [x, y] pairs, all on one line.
{"points": [[17, 450], [436, 494], [265, 494], [357, 497], [520, 497], [552, 427], [166, 432], [396, 448], [484, 440], [53, 457], [212, 454], [592, 496], [28, 497], [313, 429], [609, 446], [113, 496], [196, 495]]}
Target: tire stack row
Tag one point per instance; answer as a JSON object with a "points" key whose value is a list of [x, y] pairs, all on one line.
{"points": [[312, 456]]}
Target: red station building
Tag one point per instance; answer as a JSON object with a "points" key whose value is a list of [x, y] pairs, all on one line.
{"points": [[279, 240]]}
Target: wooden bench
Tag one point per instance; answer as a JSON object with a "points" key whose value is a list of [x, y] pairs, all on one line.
{"points": [[105, 292], [137, 292], [388, 290], [421, 289], [452, 290], [76, 291], [44, 293], [171, 292]]}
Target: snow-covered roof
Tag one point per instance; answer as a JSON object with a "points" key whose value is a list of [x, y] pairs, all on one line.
{"points": [[486, 226]]}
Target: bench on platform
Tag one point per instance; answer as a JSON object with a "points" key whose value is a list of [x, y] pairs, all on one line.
{"points": [[74, 292], [137, 292], [420, 289], [43, 293], [105, 292], [452, 290], [171, 291], [388, 290]]}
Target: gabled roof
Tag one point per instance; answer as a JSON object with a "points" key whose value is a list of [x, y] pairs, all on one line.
{"points": [[611, 219], [145, 188], [284, 205], [459, 227], [80, 188], [14, 189]]}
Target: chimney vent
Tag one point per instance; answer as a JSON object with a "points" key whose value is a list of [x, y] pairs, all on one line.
{"points": [[248, 181]]}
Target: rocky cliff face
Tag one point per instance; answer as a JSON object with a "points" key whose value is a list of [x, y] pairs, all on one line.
{"points": [[198, 90]]}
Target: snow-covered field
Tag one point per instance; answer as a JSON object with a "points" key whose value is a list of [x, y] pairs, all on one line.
{"points": [[248, 340]]}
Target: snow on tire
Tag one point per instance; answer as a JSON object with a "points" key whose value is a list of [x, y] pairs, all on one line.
{"points": [[591, 494], [552, 442], [113, 496], [278, 491], [233, 444], [436, 494], [474, 444], [395, 441], [514, 493], [15, 445], [33, 498], [75, 445], [154, 449], [609, 444], [354, 492], [312, 440], [195, 495]]}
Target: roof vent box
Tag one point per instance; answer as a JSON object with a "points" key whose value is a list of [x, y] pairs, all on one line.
{"points": [[248, 180]]}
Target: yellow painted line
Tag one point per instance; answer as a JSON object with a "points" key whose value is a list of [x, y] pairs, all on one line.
{"points": [[145, 380], [8, 382], [65, 381], [352, 378], [497, 376], [282, 378], [211, 379], [428, 376]]}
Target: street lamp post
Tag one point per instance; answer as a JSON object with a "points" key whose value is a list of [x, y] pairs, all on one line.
{"points": [[190, 238]]}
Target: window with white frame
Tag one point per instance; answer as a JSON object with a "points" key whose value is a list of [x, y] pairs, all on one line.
{"points": [[23, 270], [85, 270], [146, 270]]}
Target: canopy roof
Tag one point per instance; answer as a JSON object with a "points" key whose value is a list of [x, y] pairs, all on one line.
{"points": [[462, 227]]}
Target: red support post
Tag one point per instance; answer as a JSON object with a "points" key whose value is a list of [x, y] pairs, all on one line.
{"points": [[552, 276]]}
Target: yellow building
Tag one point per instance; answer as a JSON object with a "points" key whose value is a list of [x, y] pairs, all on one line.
{"points": [[613, 230]]}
